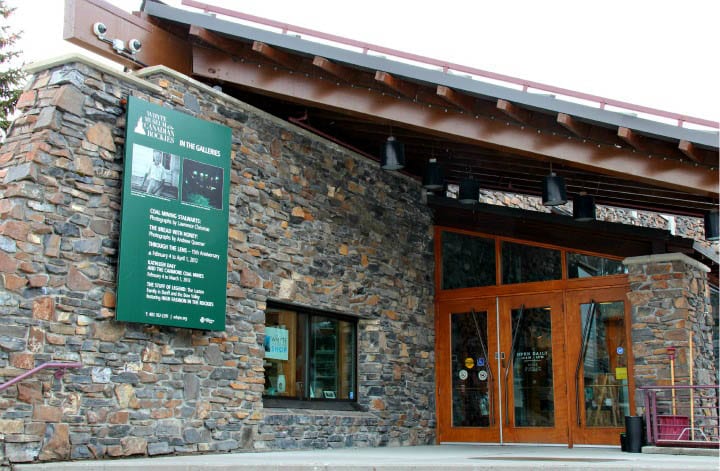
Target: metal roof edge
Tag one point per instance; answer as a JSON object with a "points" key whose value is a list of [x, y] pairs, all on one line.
{"points": [[536, 101]]}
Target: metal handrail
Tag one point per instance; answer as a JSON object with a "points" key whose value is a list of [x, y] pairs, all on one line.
{"points": [[60, 366], [657, 408], [447, 66]]}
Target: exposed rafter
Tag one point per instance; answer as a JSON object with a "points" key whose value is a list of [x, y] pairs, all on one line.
{"points": [[276, 55], [576, 127], [520, 115], [213, 39], [689, 150], [402, 87], [632, 138], [464, 102], [337, 70]]}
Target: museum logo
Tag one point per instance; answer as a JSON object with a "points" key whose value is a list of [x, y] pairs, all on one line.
{"points": [[155, 125]]}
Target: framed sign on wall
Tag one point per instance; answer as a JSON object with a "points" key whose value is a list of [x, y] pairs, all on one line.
{"points": [[172, 266]]}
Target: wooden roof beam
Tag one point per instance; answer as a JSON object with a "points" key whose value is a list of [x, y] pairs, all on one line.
{"points": [[337, 70], [520, 115], [480, 130], [404, 88], [576, 127], [276, 55], [690, 151], [635, 140], [464, 102], [213, 39]]}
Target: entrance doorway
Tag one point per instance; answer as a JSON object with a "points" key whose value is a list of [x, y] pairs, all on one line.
{"points": [[548, 367]]}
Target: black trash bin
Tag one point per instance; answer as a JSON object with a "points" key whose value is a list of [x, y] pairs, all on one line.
{"points": [[623, 442], [633, 433]]}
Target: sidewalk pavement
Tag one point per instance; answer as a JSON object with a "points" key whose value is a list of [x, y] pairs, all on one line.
{"points": [[421, 458]]}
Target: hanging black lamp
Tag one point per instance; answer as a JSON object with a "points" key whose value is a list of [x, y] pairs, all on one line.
{"points": [[553, 191], [712, 232], [392, 154], [469, 192], [584, 207], [433, 179]]}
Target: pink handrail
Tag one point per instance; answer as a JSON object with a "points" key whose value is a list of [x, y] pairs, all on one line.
{"points": [[60, 366], [446, 66]]}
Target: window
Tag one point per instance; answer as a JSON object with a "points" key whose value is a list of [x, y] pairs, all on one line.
{"points": [[583, 266], [309, 355], [526, 263], [467, 261]]}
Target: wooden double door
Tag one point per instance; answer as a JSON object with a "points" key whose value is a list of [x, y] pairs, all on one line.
{"points": [[547, 367]]}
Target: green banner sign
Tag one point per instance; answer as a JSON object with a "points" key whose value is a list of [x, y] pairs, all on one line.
{"points": [[173, 237]]}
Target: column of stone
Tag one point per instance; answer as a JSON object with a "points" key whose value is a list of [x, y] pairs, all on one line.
{"points": [[670, 300]]}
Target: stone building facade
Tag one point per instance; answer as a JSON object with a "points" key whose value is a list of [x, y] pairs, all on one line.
{"points": [[310, 223]]}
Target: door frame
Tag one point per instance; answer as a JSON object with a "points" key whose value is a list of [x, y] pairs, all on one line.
{"points": [[511, 433], [446, 432], [579, 429]]}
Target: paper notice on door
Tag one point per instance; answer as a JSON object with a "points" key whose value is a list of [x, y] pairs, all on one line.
{"points": [[620, 373]]}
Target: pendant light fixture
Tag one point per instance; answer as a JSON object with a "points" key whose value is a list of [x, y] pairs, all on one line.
{"points": [[712, 232], [469, 192], [433, 178], [392, 154], [584, 207], [553, 191]]}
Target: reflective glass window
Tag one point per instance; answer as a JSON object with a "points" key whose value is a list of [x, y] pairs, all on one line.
{"points": [[526, 263], [467, 261], [585, 266]]}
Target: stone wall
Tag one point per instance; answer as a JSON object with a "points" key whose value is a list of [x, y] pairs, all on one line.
{"points": [[310, 223], [670, 300]]}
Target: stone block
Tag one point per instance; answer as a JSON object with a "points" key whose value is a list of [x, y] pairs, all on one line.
{"points": [[24, 171], [11, 426], [7, 263], [13, 282], [133, 446], [25, 361], [69, 98], [29, 393], [49, 118], [27, 99], [76, 281], [84, 165], [43, 308], [45, 413], [100, 134], [17, 230], [56, 444], [22, 452]]}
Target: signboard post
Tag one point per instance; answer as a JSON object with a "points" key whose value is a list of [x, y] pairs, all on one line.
{"points": [[173, 239]]}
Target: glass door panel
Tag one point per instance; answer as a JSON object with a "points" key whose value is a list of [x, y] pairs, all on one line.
{"points": [[472, 392], [534, 399], [601, 389], [467, 371], [534, 386]]}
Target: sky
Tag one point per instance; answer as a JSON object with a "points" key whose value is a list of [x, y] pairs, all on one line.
{"points": [[656, 53]]}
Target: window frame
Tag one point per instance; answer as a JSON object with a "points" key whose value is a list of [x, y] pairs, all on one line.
{"points": [[305, 315]]}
